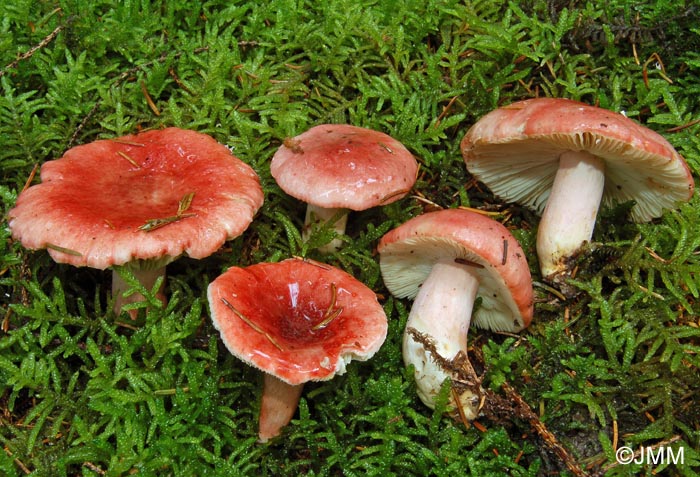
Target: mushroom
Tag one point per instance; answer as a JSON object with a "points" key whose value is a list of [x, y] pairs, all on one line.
{"points": [[562, 158], [336, 167], [446, 260], [297, 321], [138, 201]]}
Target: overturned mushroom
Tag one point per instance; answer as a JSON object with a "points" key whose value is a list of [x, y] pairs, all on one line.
{"points": [[447, 259], [297, 321], [562, 158], [138, 201]]}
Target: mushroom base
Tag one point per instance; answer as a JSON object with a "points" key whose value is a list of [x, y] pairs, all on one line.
{"points": [[569, 216], [435, 340], [279, 403], [319, 216], [147, 277]]}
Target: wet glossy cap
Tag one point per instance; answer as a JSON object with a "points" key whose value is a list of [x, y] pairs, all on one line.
{"points": [[101, 203], [297, 320], [515, 151], [505, 286], [343, 166]]}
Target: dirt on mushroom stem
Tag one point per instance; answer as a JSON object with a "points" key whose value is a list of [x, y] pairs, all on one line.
{"points": [[462, 373]]}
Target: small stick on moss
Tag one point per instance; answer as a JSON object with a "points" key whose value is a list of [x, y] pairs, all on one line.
{"points": [[247, 321], [43, 43], [460, 410], [445, 110], [94, 468], [320, 265], [522, 410], [481, 212], [660, 66], [683, 126], [178, 81], [18, 462], [551, 290], [550, 440], [6, 321], [426, 201], [394, 194], [31, 177], [171, 391], [656, 256], [149, 100]]}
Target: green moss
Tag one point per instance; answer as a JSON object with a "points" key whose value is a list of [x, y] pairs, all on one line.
{"points": [[83, 392]]}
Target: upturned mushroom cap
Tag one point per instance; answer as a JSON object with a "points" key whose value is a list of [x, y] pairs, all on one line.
{"points": [[343, 166], [409, 251], [297, 320], [94, 205], [515, 151]]}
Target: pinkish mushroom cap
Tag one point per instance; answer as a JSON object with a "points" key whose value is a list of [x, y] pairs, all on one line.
{"points": [[140, 200], [563, 158], [336, 167], [297, 321], [409, 252], [343, 166], [515, 151], [309, 320], [446, 260]]}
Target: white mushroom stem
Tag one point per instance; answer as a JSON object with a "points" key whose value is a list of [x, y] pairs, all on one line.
{"points": [[147, 278], [317, 216], [441, 312], [569, 216], [279, 403]]}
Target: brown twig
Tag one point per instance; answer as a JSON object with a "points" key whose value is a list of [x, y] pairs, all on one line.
{"points": [[248, 322], [30, 52], [521, 409], [19, 463], [129, 158], [31, 177], [683, 126], [149, 100], [119, 80]]}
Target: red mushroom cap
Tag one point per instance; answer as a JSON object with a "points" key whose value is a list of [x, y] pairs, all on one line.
{"points": [[515, 151], [93, 204], [297, 320], [343, 166], [409, 251]]}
